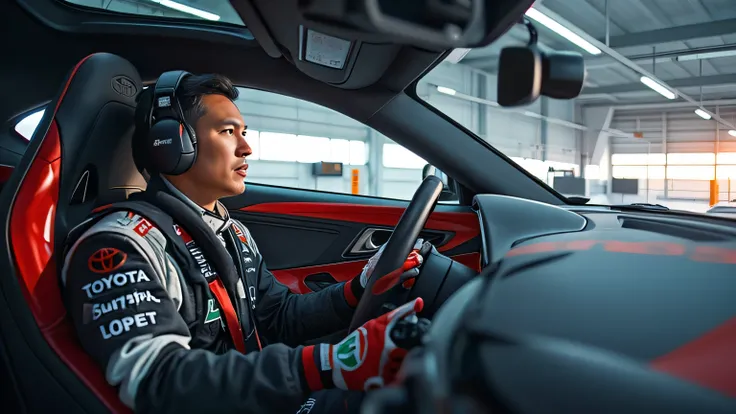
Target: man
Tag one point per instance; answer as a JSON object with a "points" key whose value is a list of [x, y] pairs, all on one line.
{"points": [[179, 329]]}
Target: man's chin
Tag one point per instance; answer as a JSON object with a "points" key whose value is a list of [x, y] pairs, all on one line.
{"points": [[237, 189]]}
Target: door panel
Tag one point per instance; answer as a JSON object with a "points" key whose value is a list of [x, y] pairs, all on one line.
{"points": [[310, 239]]}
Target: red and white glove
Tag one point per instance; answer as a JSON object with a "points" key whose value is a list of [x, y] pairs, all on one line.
{"points": [[367, 358], [406, 274], [411, 265]]}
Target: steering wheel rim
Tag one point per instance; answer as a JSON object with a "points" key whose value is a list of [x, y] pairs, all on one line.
{"points": [[398, 247]]}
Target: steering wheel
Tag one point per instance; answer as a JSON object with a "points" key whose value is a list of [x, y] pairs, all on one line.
{"points": [[398, 247]]}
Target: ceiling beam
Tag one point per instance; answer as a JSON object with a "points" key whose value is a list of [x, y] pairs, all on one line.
{"points": [[674, 34], [661, 57], [675, 83]]}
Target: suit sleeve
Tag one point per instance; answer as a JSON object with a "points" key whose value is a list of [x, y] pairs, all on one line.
{"points": [[123, 299], [292, 318]]}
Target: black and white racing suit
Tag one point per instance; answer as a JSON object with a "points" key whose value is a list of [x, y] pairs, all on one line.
{"points": [[152, 318]]}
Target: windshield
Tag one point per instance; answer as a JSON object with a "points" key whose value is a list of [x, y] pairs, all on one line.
{"points": [[654, 122]]}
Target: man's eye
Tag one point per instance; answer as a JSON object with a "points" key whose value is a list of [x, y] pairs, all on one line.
{"points": [[229, 131]]}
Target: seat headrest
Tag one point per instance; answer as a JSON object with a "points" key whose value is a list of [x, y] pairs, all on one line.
{"points": [[96, 124]]}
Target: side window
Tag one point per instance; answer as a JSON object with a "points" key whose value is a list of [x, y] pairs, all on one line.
{"points": [[291, 138], [28, 124]]}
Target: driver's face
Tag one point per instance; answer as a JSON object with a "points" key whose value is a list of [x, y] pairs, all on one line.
{"points": [[220, 167]]}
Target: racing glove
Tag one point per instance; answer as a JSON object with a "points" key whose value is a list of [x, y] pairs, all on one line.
{"points": [[406, 274], [368, 358]]}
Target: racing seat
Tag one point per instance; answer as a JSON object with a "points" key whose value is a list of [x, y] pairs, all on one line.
{"points": [[79, 157]]}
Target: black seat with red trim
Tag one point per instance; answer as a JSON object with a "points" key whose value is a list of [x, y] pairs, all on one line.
{"points": [[78, 158]]}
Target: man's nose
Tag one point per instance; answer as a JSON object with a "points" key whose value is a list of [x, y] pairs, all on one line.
{"points": [[244, 149]]}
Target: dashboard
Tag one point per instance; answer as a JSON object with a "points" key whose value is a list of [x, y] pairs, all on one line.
{"points": [[583, 309], [506, 222]]}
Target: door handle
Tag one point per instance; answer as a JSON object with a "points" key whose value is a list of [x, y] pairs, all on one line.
{"points": [[370, 241], [319, 281]]}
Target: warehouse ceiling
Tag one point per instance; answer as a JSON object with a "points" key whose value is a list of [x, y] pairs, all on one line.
{"points": [[689, 44]]}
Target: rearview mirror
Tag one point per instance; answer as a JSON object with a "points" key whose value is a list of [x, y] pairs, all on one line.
{"points": [[444, 24], [525, 73], [448, 184]]}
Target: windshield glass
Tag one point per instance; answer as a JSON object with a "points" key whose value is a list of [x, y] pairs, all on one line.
{"points": [[654, 122], [210, 10]]}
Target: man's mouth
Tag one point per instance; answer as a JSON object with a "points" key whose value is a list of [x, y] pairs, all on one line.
{"points": [[241, 170]]}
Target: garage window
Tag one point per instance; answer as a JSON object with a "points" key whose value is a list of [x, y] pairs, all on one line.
{"points": [[27, 125]]}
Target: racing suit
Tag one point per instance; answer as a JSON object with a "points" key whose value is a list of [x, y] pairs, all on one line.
{"points": [[152, 316]]}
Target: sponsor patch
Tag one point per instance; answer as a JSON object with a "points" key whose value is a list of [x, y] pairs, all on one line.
{"points": [[143, 227], [213, 311], [350, 353], [106, 260], [240, 234]]}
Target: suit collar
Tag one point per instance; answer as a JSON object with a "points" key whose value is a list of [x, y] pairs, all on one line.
{"points": [[218, 221]]}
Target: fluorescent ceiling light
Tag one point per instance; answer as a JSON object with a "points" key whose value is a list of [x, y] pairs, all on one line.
{"points": [[706, 55], [732, 132], [188, 9], [660, 89], [701, 113], [562, 31], [446, 91]]}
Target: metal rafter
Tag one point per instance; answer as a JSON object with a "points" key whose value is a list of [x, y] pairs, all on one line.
{"points": [[626, 62], [675, 34]]}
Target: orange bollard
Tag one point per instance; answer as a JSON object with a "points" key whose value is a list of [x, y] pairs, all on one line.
{"points": [[355, 181], [713, 192]]}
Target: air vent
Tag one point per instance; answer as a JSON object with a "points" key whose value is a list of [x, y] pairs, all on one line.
{"points": [[676, 230]]}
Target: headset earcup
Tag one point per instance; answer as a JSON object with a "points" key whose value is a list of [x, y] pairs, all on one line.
{"points": [[188, 153], [165, 147]]}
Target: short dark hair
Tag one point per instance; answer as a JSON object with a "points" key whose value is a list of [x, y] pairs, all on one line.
{"points": [[193, 88]]}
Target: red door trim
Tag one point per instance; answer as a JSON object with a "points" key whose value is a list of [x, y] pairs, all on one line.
{"points": [[464, 225]]}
